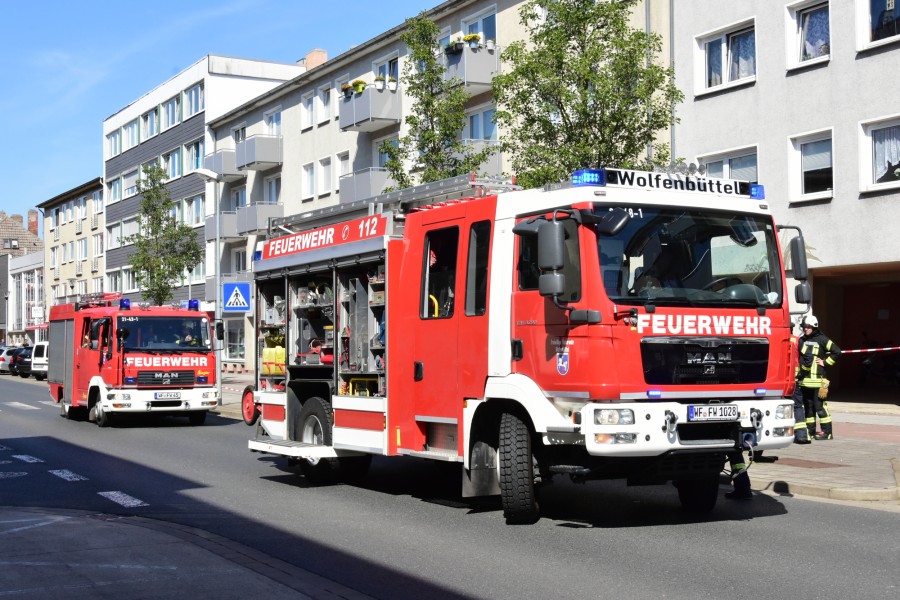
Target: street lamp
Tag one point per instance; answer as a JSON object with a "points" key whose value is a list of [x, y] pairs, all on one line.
{"points": [[215, 178]]}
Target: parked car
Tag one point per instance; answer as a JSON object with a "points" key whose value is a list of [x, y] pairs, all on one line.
{"points": [[21, 362], [40, 356], [6, 358]]}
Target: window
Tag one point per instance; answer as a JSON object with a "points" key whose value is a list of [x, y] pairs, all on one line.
{"points": [[175, 213], [114, 236], [54, 257], [727, 57], [150, 123], [343, 167], [880, 154], [481, 125], [115, 190], [234, 339], [484, 25], [193, 101], [97, 284], [97, 243], [325, 176], [171, 112], [439, 274], [272, 190], [815, 176], [324, 104], [129, 280], [97, 197], [307, 110], [72, 251], [239, 260], [882, 20], [129, 182], [382, 156], [309, 181], [193, 210], [809, 26], [115, 281], [238, 198], [193, 155], [129, 229], [738, 165], [388, 68], [477, 268], [130, 135], [273, 123], [239, 134], [172, 163], [70, 210], [113, 144], [82, 249], [10, 244], [81, 207]]}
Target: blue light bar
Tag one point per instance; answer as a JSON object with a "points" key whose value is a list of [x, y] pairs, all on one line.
{"points": [[125, 304], [760, 391], [757, 191], [202, 379], [654, 393], [257, 255], [130, 379], [589, 177], [193, 304]]}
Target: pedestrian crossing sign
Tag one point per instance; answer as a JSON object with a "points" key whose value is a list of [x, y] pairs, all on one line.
{"points": [[237, 297]]}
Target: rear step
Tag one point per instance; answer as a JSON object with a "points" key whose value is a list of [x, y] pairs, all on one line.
{"points": [[290, 448]]}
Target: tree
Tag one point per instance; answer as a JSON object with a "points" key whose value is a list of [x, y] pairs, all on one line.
{"points": [[436, 117], [164, 247], [584, 91]]}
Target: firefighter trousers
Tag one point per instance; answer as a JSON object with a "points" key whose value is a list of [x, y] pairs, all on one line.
{"points": [[741, 481], [811, 406], [801, 433]]}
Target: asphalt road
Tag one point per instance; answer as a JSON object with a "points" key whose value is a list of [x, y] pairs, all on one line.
{"points": [[405, 533]]}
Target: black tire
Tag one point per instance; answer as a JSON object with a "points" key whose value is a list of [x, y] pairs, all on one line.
{"points": [[104, 419], [249, 409], [314, 425], [23, 375], [518, 493], [698, 496], [197, 418]]}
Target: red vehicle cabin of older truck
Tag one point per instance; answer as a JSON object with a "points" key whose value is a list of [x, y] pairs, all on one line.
{"points": [[624, 325], [109, 357]]}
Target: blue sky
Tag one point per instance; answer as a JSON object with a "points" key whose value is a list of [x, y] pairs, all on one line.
{"points": [[66, 66]]}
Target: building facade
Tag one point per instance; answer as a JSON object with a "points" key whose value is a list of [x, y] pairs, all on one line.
{"points": [[27, 312]]}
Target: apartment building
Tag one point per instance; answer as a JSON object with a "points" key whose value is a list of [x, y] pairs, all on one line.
{"points": [[26, 310], [73, 243], [800, 97], [18, 240], [167, 127]]}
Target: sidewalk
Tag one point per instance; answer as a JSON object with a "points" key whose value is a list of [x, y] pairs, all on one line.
{"points": [[861, 463]]}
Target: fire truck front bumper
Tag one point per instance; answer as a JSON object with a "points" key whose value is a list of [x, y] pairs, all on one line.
{"points": [[651, 429], [135, 401]]}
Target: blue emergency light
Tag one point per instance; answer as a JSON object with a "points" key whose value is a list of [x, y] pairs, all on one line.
{"points": [[757, 191], [193, 304], [589, 177], [124, 304], [654, 393]]}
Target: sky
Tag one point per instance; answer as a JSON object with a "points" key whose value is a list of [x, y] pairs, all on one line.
{"points": [[66, 66]]}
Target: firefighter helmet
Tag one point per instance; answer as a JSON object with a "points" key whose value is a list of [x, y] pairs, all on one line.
{"points": [[810, 321]]}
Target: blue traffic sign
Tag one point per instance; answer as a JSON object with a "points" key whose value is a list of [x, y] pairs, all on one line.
{"points": [[237, 297]]}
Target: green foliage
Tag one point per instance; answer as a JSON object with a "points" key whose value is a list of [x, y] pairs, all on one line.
{"points": [[436, 116], [580, 92], [163, 247]]}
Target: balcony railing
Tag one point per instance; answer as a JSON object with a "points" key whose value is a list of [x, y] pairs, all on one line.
{"points": [[256, 217], [56, 273], [79, 268], [95, 265], [78, 226], [224, 163], [95, 221], [56, 234], [370, 110], [258, 152], [476, 68], [363, 184], [227, 222]]}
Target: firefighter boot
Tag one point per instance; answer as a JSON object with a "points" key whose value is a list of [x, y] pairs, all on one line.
{"points": [[826, 432]]}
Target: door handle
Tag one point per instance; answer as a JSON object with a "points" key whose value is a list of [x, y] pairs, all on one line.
{"points": [[418, 371]]}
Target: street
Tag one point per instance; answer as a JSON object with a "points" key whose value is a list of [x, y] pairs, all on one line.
{"points": [[406, 533]]}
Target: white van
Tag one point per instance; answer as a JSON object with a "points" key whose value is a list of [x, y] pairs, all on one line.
{"points": [[39, 360]]}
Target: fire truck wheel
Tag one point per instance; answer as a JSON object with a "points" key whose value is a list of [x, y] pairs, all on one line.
{"points": [[314, 426], [518, 493], [249, 409], [71, 413], [197, 418], [698, 496], [104, 419]]}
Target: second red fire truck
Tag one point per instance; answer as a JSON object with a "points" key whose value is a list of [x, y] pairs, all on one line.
{"points": [[626, 325]]}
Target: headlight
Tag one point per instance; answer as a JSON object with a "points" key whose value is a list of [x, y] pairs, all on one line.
{"points": [[614, 416], [784, 411]]}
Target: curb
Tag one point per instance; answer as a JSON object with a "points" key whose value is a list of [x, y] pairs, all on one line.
{"points": [[783, 488]]}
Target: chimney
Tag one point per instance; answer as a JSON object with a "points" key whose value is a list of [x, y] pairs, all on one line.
{"points": [[17, 219], [315, 57], [33, 223]]}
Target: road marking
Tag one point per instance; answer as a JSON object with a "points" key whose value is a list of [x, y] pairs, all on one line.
{"points": [[123, 499], [49, 402], [26, 458], [69, 475], [22, 406], [2, 447], [52, 521], [11, 475]]}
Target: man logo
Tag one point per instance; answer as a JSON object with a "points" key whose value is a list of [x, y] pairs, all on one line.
{"points": [[708, 358]]}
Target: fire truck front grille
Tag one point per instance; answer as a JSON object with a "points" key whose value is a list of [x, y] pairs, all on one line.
{"points": [[166, 379], [689, 361]]}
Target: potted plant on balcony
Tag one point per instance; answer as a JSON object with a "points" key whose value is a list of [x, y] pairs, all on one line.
{"points": [[358, 85], [472, 39], [379, 82], [347, 90], [454, 46], [392, 84], [490, 44]]}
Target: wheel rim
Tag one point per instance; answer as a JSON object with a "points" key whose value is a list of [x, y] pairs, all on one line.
{"points": [[312, 433], [249, 406]]}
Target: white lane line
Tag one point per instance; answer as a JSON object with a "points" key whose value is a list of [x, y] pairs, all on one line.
{"points": [[49, 402], [8, 475], [26, 458], [52, 521], [68, 475], [22, 405], [123, 499]]}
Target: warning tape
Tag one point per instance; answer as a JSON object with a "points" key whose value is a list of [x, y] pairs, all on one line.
{"points": [[870, 350]]}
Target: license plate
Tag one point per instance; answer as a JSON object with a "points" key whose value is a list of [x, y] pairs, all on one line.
{"points": [[713, 412], [167, 395]]}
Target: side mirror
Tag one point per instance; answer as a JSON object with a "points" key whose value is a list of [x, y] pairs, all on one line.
{"points": [[798, 259], [220, 330], [122, 333], [803, 293], [612, 222]]}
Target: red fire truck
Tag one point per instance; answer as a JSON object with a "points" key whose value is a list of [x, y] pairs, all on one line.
{"points": [[624, 325], [108, 356]]}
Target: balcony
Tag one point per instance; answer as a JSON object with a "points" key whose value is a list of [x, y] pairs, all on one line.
{"points": [[227, 221], [493, 165], [363, 184], [78, 226], [256, 217], [95, 265], [240, 276], [258, 153], [224, 163], [79, 268], [95, 221], [370, 111], [475, 67]]}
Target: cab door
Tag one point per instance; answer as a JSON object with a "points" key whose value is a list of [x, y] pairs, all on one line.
{"points": [[94, 343]]}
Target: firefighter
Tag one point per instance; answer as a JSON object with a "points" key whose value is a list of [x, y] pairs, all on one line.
{"points": [[817, 353], [739, 477]]}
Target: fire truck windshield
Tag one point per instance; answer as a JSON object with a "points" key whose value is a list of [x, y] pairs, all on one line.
{"points": [[164, 334], [692, 257]]}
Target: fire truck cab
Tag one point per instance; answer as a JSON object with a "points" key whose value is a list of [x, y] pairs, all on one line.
{"points": [[110, 357]]}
